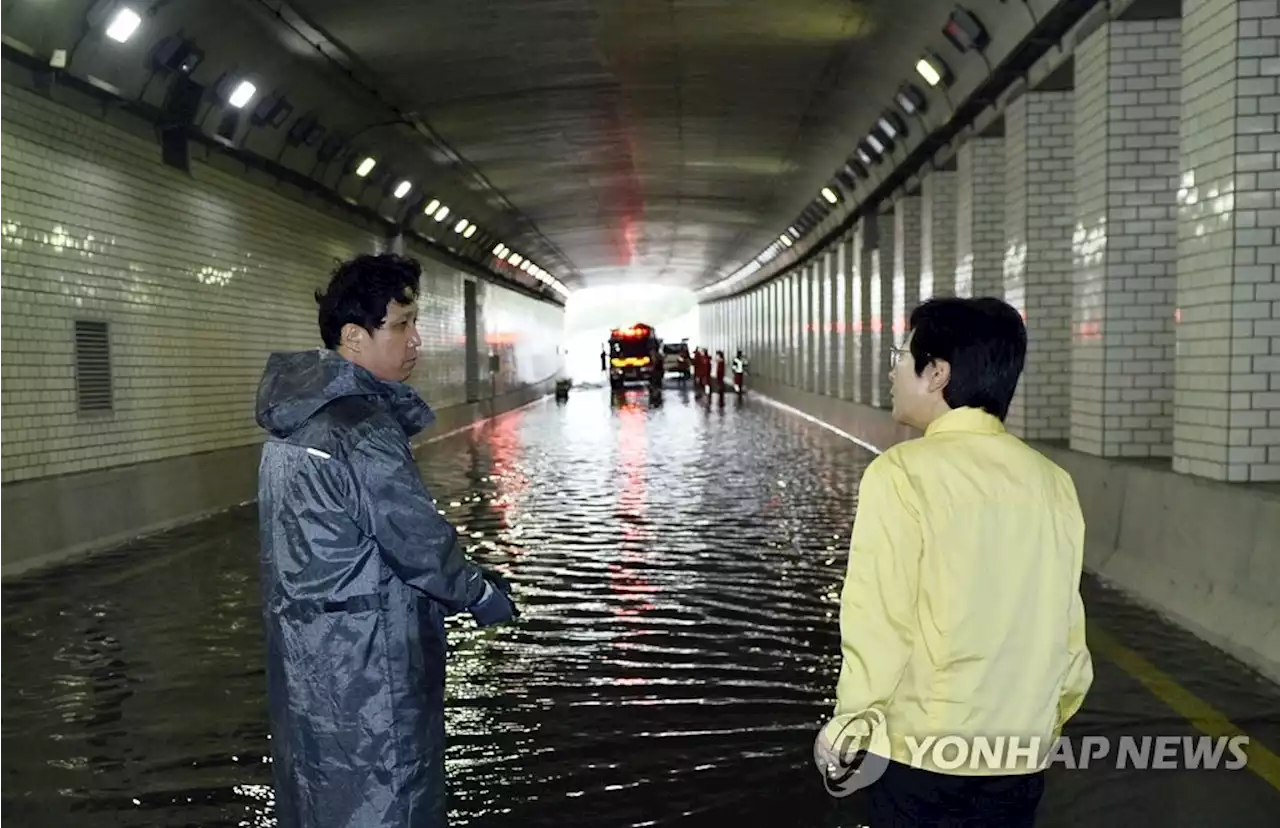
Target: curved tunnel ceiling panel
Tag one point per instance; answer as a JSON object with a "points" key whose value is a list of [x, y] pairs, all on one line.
{"points": [[647, 139]]}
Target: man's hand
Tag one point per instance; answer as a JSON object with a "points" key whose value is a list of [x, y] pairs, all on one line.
{"points": [[495, 605], [496, 578]]}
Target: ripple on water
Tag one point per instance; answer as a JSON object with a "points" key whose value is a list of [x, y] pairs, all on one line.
{"points": [[677, 567]]}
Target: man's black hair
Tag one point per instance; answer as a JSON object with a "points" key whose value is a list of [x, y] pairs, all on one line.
{"points": [[983, 340], [360, 290]]}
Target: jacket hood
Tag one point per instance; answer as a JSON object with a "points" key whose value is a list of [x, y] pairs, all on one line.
{"points": [[295, 386]]}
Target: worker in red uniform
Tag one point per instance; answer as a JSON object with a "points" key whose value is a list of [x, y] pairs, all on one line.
{"points": [[720, 371]]}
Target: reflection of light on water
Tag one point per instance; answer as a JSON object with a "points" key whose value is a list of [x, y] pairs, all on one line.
{"points": [[633, 507], [259, 817]]}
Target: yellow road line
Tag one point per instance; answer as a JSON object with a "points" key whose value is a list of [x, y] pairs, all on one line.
{"points": [[1202, 716]]}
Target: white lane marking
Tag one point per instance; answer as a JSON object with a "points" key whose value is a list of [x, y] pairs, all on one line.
{"points": [[828, 426]]}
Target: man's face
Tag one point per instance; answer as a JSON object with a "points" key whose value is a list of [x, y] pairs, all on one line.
{"points": [[911, 393], [391, 351]]}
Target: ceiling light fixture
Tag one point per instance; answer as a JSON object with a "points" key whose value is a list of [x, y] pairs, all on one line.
{"points": [[123, 25], [911, 100], [366, 166], [933, 70], [892, 125], [830, 195], [965, 31], [469, 232], [402, 189], [243, 93]]}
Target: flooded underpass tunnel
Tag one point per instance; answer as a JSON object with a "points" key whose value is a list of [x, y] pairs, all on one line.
{"points": [[678, 564], [619, 405]]}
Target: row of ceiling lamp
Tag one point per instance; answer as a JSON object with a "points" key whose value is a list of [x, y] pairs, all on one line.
{"points": [[123, 21], [965, 32]]}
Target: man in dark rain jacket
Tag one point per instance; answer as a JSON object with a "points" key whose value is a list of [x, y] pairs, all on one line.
{"points": [[358, 568]]}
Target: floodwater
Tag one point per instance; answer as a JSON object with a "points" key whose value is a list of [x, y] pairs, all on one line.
{"points": [[678, 567]]}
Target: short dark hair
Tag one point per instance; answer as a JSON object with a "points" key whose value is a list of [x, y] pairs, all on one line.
{"points": [[983, 340], [360, 290]]}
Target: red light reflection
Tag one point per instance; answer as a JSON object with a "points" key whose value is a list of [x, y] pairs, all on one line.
{"points": [[510, 484], [632, 508]]}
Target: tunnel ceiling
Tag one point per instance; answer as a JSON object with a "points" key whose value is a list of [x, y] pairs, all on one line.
{"points": [[645, 140]]}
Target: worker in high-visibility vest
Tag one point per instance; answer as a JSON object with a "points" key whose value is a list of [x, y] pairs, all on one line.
{"points": [[739, 372]]}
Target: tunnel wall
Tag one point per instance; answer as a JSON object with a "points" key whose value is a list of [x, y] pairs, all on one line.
{"points": [[197, 278], [1202, 553]]}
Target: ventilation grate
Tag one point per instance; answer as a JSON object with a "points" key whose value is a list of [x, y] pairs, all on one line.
{"points": [[93, 366]]}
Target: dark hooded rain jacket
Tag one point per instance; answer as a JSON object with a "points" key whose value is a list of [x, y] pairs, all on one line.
{"points": [[359, 571]]}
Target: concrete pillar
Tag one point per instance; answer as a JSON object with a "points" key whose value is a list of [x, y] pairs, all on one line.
{"points": [[835, 321], [938, 234], [884, 338], [850, 310], [980, 218], [1039, 218], [1227, 387], [906, 262], [862, 365], [775, 331], [878, 267], [797, 329], [824, 316], [812, 325]]}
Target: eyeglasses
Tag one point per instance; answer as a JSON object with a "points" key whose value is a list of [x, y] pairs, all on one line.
{"points": [[896, 353]]}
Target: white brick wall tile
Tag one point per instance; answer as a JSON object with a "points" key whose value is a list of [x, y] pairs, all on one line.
{"points": [[1039, 187], [1228, 250], [850, 316], [1126, 149], [980, 218], [937, 234], [863, 365], [199, 276], [834, 326], [907, 247]]}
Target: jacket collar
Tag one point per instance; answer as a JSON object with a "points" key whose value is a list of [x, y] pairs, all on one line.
{"points": [[970, 420]]}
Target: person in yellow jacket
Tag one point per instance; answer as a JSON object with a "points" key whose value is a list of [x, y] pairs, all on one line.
{"points": [[961, 623]]}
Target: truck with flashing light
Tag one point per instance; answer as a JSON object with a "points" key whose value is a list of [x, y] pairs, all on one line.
{"points": [[635, 354]]}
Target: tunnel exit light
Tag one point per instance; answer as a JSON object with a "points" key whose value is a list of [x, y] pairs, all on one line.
{"points": [[123, 25]]}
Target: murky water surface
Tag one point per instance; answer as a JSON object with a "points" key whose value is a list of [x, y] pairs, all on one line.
{"points": [[677, 566]]}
